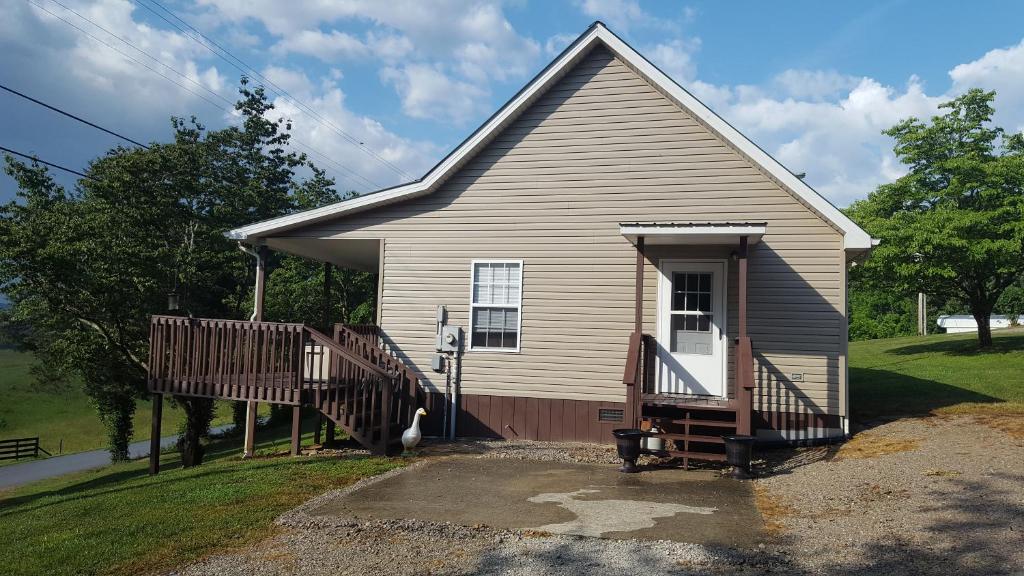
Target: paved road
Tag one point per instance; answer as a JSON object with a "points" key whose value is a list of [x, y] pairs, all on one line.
{"points": [[18, 474]]}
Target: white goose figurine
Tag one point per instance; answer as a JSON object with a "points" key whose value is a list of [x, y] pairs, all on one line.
{"points": [[412, 436]]}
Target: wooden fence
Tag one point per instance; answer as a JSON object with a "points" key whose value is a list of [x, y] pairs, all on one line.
{"points": [[17, 448]]}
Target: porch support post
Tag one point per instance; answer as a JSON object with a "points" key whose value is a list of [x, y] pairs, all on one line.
{"points": [[634, 392], [319, 427], [257, 316], [296, 429], [744, 360], [154, 438], [328, 269]]}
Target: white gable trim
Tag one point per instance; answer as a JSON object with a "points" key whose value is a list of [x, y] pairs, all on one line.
{"points": [[854, 238]]}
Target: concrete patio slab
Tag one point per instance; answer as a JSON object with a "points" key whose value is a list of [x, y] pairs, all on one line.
{"points": [[588, 500]]}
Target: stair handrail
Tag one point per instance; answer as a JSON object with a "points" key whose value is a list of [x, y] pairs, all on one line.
{"points": [[323, 340]]}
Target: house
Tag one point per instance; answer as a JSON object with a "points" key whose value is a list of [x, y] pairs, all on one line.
{"points": [[615, 254], [965, 323]]}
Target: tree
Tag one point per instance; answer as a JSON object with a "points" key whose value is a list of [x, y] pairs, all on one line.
{"points": [[953, 226], [86, 269]]}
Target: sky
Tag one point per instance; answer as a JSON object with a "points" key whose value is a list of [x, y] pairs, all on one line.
{"points": [[378, 91]]}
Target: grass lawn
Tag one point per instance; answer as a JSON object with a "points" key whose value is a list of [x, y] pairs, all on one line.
{"points": [[943, 373], [119, 520], [62, 411]]}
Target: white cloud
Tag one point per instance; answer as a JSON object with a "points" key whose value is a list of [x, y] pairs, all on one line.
{"points": [[555, 44], [325, 134], [621, 15], [427, 92], [674, 57], [1001, 70], [329, 47], [814, 84], [474, 40]]}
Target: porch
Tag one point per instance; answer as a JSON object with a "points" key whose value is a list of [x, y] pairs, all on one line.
{"points": [[689, 416]]}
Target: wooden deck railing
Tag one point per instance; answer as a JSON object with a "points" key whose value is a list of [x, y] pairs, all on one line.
{"points": [[637, 375], [348, 377]]}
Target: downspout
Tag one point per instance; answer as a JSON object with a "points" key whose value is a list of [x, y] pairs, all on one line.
{"points": [[259, 266]]}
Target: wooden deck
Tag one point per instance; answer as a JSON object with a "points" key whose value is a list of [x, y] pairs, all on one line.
{"points": [[347, 377]]}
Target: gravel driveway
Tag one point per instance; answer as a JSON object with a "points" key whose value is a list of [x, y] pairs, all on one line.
{"points": [[948, 499]]}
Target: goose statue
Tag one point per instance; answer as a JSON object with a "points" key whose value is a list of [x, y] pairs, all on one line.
{"points": [[412, 436]]}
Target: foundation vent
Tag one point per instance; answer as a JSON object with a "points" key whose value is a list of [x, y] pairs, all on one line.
{"points": [[610, 415]]}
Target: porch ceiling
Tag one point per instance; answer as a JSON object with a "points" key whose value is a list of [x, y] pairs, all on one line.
{"points": [[694, 233], [359, 254]]}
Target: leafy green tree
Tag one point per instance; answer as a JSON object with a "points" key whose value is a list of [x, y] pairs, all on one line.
{"points": [[954, 225], [86, 268]]}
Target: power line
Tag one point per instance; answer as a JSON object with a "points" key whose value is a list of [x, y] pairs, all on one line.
{"points": [[115, 49], [225, 54], [70, 115], [229, 109], [51, 164]]}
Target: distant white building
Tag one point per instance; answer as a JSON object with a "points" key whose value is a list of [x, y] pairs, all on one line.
{"points": [[966, 322]]}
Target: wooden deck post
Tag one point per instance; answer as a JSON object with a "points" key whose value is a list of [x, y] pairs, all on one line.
{"points": [[154, 438], [319, 427], [327, 297], [330, 436], [257, 316], [744, 361], [296, 430]]}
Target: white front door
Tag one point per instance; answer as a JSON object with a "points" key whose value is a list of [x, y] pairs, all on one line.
{"points": [[691, 328]]}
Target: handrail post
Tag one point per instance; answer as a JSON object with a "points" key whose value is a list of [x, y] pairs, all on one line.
{"points": [[388, 384]]}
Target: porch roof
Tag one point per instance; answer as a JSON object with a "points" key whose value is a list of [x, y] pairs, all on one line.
{"points": [[693, 233]]}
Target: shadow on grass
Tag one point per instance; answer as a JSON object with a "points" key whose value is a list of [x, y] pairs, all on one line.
{"points": [[885, 395], [113, 478], [1001, 344]]}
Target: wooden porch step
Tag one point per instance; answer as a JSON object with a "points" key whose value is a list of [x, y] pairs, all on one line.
{"points": [[691, 421], [688, 454], [690, 437]]}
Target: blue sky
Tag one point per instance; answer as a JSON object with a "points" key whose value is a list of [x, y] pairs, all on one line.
{"points": [[813, 83]]}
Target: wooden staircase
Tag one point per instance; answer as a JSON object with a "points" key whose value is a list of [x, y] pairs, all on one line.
{"points": [[692, 427], [349, 377]]}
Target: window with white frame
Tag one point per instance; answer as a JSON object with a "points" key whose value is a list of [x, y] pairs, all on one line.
{"points": [[495, 305]]}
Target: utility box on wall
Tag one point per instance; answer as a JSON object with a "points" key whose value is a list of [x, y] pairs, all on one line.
{"points": [[451, 338]]}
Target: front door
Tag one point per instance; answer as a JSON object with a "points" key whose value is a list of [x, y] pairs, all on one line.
{"points": [[691, 328]]}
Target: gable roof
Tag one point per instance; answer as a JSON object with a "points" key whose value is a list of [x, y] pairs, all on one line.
{"points": [[854, 238]]}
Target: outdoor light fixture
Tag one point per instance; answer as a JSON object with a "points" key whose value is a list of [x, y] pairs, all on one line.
{"points": [[172, 301], [734, 255]]}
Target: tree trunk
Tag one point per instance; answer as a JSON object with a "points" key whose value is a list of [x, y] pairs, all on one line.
{"points": [[198, 414], [118, 420], [238, 410], [984, 328]]}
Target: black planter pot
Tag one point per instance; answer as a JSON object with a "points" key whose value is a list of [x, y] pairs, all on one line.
{"points": [[738, 452], [627, 441]]}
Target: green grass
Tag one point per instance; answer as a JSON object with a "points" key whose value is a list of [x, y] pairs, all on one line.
{"points": [[943, 373], [119, 520], [62, 411]]}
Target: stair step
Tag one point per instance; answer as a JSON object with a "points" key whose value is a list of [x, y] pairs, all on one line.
{"points": [[691, 421], [688, 454], [690, 437]]}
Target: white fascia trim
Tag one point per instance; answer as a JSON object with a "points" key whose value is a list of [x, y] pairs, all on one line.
{"points": [[656, 230], [440, 172], [854, 238]]}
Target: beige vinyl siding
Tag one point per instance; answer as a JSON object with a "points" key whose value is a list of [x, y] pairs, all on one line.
{"points": [[602, 147]]}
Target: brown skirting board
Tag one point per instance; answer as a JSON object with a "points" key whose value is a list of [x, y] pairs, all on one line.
{"points": [[554, 420], [518, 418]]}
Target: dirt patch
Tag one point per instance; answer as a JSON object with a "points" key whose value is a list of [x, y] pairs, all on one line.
{"points": [[868, 445], [774, 511], [933, 495]]}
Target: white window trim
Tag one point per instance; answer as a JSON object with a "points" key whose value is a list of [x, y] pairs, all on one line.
{"points": [[472, 306]]}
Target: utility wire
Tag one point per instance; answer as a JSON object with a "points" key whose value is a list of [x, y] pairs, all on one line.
{"points": [[72, 116], [230, 105], [227, 56], [51, 164], [228, 110]]}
